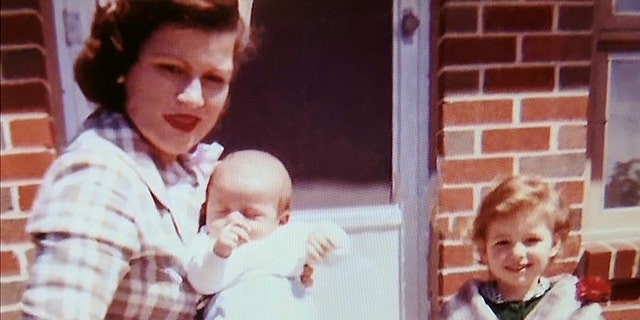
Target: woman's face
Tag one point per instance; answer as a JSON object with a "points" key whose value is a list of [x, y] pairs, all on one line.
{"points": [[177, 89]]}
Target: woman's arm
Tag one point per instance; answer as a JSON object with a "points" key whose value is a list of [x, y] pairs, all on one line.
{"points": [[84, 239], [205, 270]]}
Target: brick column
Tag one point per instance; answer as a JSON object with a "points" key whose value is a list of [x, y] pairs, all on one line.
{"points": [[27, 135]]}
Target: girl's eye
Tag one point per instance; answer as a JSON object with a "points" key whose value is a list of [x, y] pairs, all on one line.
{"points": [[532, 241], [502, 243]]}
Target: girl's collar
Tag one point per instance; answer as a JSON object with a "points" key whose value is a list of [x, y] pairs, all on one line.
{"points": [[489, 290]]}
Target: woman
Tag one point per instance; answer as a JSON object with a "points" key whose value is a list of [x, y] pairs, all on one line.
{"points": [[116, 209]]}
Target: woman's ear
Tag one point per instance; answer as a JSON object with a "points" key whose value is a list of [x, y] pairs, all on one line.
{"points": [[555, 248]]}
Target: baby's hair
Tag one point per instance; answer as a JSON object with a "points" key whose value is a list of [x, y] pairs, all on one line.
{"points": [[526, 197], [269, 162]]}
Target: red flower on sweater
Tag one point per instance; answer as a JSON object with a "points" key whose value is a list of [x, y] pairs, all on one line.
{"points": [[593, 289]]}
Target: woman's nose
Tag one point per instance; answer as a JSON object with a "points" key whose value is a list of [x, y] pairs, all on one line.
{"points": [[191, 95]]}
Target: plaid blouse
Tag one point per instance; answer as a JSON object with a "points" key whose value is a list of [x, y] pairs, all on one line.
{"points": [[111, 225]]}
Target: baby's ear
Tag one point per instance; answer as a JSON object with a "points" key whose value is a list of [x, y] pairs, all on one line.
{"points": [[284, 217]]}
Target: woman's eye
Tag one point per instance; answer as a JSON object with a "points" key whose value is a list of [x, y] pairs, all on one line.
{"points": [[170, 68], [213, 79], [502, 243]]}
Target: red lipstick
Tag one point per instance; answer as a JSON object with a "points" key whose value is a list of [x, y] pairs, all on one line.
{"points": [[182, 122]]}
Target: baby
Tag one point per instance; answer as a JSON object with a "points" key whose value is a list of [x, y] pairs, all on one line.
{"points": [[248, 254], [519, 228]]}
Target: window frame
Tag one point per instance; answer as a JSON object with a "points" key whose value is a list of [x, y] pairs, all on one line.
{"points": [[612, 34]]}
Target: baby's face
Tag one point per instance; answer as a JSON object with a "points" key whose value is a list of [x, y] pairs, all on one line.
{"points": [[518, 252], [252, 203]]}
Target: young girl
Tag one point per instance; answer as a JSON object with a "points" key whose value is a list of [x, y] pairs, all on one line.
{"points": [[519, 229]]}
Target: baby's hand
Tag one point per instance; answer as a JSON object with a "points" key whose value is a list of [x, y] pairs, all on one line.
{"points": [[327, 244], [231, 236], [319, 246]]}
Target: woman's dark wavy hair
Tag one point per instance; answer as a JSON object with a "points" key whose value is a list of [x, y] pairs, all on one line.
{"points": [[119, 31]]}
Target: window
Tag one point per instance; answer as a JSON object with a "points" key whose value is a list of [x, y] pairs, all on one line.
{"points": [[612, 208], [622, 156]]}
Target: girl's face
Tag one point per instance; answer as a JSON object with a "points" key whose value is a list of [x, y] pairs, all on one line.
{"points": [[517, 252], [178, 87]]}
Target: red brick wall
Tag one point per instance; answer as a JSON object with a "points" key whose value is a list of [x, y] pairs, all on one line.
{"points": [[512, 81], [27, 135]]}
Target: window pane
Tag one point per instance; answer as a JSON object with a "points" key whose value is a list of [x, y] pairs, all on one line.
{"points": [[627, 6], [622, 148], [318, 95]]}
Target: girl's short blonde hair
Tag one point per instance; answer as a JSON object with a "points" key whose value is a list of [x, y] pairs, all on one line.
{"points": [[527, 197]]}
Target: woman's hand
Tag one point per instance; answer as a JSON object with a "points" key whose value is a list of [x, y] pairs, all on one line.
{"points": [[231, 236]]}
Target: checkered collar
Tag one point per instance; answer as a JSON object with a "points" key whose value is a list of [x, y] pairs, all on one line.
{"points": [[118, 129], [489, 290]]}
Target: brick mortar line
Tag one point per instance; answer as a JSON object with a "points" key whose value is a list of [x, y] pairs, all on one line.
{"points": [[506, 34], [455, 242], [457, 214], [511, 65], [577, 93], [514, 155], [19, 183], [22, 46], [516, 111], [484, 67], [6, 117], [461, 270], [555, 16], [477, 140], [6, 133], [481, 185], [13, 215], [26, 150], [632, 305], [20, 11], [516, 166], [511, 125], [15, 201], [27, 81]]}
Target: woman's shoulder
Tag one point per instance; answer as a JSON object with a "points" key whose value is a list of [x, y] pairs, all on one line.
{"points": [[84, 175], [88, 158]]}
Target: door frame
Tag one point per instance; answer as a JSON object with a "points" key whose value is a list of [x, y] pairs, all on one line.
{"points": [[413, 183]]}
